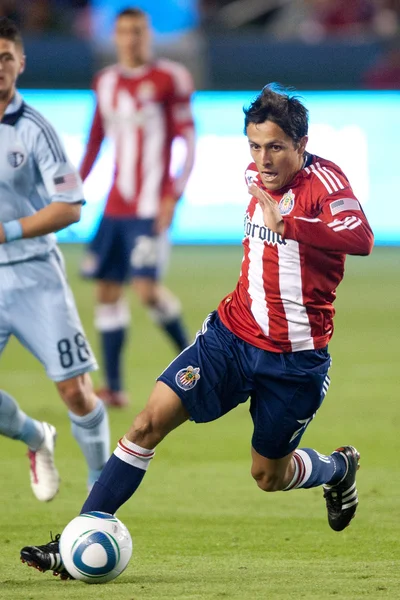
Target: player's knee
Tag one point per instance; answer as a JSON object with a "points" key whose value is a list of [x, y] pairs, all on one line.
{"points": [[109, 292], [146, 292], [76, 393], [267, 481], [167, 307], [111, 316], [145, 430]]}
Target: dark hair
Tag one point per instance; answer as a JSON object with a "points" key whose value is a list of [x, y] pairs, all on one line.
{"points": [[275, 104], [131, 12], [9, 31]]}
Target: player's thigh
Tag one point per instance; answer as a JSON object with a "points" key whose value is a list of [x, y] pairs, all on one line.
{"points": [[207, 376], [289, 389], [108, 255], [163, 412], [145, 289], [164, 254], [108, 292], [148, 250], [45, 320]]}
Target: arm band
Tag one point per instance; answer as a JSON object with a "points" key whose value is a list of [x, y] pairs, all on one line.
{"points": [[12, 230]]}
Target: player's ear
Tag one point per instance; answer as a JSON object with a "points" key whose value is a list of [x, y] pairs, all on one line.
{"points": [[302, 144], [22, 64]]}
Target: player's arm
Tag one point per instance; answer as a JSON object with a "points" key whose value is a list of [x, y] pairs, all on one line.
{"points": [[93, 145], [187, 134], [183, 128], [49, 219], [58, 183], [341, 226]]}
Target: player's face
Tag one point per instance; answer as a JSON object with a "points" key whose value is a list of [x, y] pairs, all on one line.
{"points": [[277, 156], [132, 40], [12, 62]]}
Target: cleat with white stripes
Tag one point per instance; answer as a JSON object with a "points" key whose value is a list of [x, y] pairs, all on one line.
{"points": [[46, 558], [342, 498], [45, 480]]}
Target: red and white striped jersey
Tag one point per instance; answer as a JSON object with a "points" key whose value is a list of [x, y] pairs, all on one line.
{"points": [[287, 285], [142, 110]]}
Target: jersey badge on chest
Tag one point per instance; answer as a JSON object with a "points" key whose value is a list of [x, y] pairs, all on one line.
{"points": [[286, 203], [15, 158], [146, 91]]}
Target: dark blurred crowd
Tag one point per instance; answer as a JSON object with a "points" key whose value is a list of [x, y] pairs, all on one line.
{"points": [[304, 21], [38, 17], [309, 20], [315, 22]]}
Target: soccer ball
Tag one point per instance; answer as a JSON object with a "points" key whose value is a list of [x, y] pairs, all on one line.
{"points": [[95, 547]]}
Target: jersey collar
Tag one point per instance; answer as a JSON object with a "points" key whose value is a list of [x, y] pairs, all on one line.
{"points": [[135, 72], [14, 110]]}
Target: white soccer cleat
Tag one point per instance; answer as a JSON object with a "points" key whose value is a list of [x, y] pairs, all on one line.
{"points": [[45, 480]]}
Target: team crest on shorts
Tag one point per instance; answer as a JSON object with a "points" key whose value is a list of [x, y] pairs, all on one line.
{"points": [[287, 202], [187, 378]]}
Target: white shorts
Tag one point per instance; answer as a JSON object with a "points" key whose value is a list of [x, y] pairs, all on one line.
{"points": [[38, 308]]}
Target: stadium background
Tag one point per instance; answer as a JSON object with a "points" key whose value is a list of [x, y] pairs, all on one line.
{"points": [[201, 528]]}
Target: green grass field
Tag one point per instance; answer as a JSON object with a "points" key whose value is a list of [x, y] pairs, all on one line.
{"points": [[201, 528]]}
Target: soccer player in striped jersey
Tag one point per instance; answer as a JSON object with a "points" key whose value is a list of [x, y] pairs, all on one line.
{"points": [[268, 339], [142, 105], [41, 193]]}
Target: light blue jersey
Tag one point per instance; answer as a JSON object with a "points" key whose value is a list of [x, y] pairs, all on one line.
{"points": [[36, 304], [34, 171]]}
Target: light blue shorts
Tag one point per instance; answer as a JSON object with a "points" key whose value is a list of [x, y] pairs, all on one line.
{"points": [[38, 308]]}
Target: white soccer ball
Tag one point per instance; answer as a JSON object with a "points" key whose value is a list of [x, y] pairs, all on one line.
{"points": [[95, 547]]}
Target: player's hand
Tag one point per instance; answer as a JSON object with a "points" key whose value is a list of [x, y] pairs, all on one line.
{"points": [[272, 217], [166, 214], [2, 236]]}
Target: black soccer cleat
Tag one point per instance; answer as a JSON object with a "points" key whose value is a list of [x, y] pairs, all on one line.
{"points": [[46, 558], [342, 498]]}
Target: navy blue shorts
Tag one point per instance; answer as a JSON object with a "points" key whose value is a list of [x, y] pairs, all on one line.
{"points": [[122, 249], [219, 371]]}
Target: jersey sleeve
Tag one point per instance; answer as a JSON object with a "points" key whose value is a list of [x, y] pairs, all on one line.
{"points": [[60, 178], [96, 136], [341, 226], [93, 145], [180, 99], [182, 123]]}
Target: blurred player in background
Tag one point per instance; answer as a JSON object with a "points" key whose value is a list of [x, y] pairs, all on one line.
{"points": [[41, 193], [268, 340], [142, 105]]}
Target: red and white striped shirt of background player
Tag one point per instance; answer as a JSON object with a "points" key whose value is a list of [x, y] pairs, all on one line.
{"points": [[283, 300], [142, 110]]}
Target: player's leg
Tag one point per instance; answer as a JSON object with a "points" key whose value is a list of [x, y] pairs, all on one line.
{"points": [[89, 422], [149, 261], [123, 472], [304, 468], [15, 424], [127, 466], [108, 262], [38, 436], [283, 405], [164, 309], [46, 322], [205, 381], [112, 318]]}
